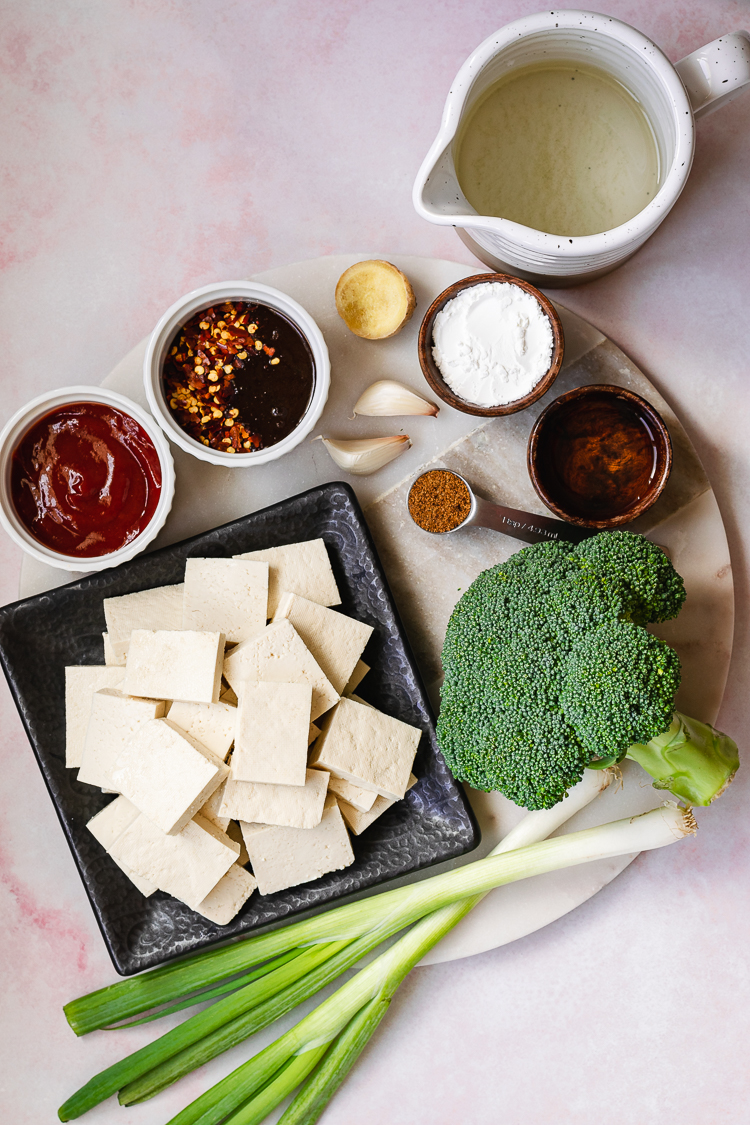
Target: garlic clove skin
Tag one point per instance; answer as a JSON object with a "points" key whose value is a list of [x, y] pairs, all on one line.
{"points": [[361, 456], [387, 398]]}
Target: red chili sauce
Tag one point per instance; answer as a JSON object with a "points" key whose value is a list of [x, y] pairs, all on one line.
{"points": [[85, 479]]}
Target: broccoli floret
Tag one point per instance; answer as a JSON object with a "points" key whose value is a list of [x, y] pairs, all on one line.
{"points": [[618, 688], [548, 668]]}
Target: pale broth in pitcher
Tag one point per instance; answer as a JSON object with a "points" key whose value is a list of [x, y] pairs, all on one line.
{"points": [[559, 147]]}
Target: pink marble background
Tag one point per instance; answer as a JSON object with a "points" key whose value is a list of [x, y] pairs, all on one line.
{"points": [[151, 146]]}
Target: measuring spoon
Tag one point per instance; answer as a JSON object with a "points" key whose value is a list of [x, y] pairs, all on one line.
{"points": [[510, 521]]}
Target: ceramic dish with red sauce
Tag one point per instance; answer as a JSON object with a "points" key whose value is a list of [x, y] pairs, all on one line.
{"points": [[86, 478]]}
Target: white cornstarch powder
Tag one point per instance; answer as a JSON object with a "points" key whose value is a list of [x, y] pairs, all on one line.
{"points": [[492, 343]]}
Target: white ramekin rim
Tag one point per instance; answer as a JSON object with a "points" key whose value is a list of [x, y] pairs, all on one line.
{"points": [[16, 427], [207, 295], [540, 242]]}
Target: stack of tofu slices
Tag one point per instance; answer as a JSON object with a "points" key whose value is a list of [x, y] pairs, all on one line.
{"points": [[203, 721]]}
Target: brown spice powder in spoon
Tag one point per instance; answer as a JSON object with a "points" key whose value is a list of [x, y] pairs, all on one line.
{"points": [[439, 501]]}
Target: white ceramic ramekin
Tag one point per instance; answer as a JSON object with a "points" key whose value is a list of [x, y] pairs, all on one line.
{"points": [[203, 298], [14, 430]]}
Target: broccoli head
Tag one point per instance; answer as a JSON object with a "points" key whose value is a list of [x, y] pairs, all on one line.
{"points": [[549, 669]]}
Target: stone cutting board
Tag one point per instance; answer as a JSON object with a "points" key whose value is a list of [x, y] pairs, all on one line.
{"points": [[428, 574]]}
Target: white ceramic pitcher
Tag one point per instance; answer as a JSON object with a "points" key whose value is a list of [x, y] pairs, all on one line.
{"points": [[671, 96]]}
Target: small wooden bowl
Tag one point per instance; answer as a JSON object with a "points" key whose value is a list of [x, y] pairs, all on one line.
{"points": [[599, 456], [431, 371]]}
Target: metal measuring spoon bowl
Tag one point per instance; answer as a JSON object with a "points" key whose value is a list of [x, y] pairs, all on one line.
{"points": [[441, 502]]}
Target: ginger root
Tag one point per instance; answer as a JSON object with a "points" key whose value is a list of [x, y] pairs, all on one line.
{"points": [[374, 299]]}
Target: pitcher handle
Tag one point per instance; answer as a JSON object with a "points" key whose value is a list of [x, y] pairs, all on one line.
{"points": [[716, 73]]}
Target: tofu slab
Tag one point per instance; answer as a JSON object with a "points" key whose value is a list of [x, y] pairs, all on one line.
{"points": [[227, 695], [228, 896], [357, 820], [336, 641], [227, 596], [234, 832], [293, 806], [184, 665], [107, 825], [373, 750], [270, 743], [209, 810], [299, 568], [114, 720], [360, 671], [111, 655], [167, 774], [212, 724], [355, 795], [278, 655], [286, 857], [187, 865], [81, 681], [159, 608]]}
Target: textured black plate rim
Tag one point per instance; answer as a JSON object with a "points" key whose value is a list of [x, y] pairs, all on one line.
{"points": [[143, 564]]}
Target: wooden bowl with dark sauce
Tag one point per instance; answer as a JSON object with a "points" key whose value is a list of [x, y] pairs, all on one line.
{"points": [[432, 373], [599, 456]]}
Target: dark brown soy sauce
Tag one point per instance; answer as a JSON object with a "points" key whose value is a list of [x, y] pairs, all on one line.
{"points": [[599, 458], [272, 397]]}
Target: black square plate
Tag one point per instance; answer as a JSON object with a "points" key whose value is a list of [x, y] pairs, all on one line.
{"points": [[41, 635]]}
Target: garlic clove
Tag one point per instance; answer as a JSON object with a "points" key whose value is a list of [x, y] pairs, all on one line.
{"points": [[364, 455], [387, 398]]}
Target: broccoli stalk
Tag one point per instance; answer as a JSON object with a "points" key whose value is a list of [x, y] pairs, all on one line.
{"points": [[691, 760], [549, 669]]}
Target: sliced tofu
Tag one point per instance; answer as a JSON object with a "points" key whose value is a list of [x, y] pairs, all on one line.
{"points": [[234, 832], [81, 681], [273, 722], [228, 896], [167, 774], [157, 609], [184, 665], [114, 720], [362, 745], [278, 655], [357, 820], [361, 799], [107, 825], [112, 657], [227, 596], [228, 695], [300, 568], [187, 865], [286, 857], [312, 734], [360, 671], [209, 810], [294, 806], [336, 641], [212, 724]]}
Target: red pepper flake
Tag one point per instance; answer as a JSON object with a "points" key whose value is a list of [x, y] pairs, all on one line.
{"points": [[198, 379]]}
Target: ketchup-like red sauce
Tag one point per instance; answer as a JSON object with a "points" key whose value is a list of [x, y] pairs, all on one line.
{"points": [[85, 479]]}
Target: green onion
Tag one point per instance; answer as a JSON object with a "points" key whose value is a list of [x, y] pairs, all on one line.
{"points": [[380, 979], [286, 1080], [209, 993], [152, 1068], [175, 1066], [112, 1079], [338, 1061]]}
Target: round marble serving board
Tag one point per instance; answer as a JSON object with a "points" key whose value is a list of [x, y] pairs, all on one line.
{"points": [[427, 574]]}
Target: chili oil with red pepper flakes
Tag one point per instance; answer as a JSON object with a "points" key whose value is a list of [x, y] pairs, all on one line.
{"points": [[238, 377]]}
